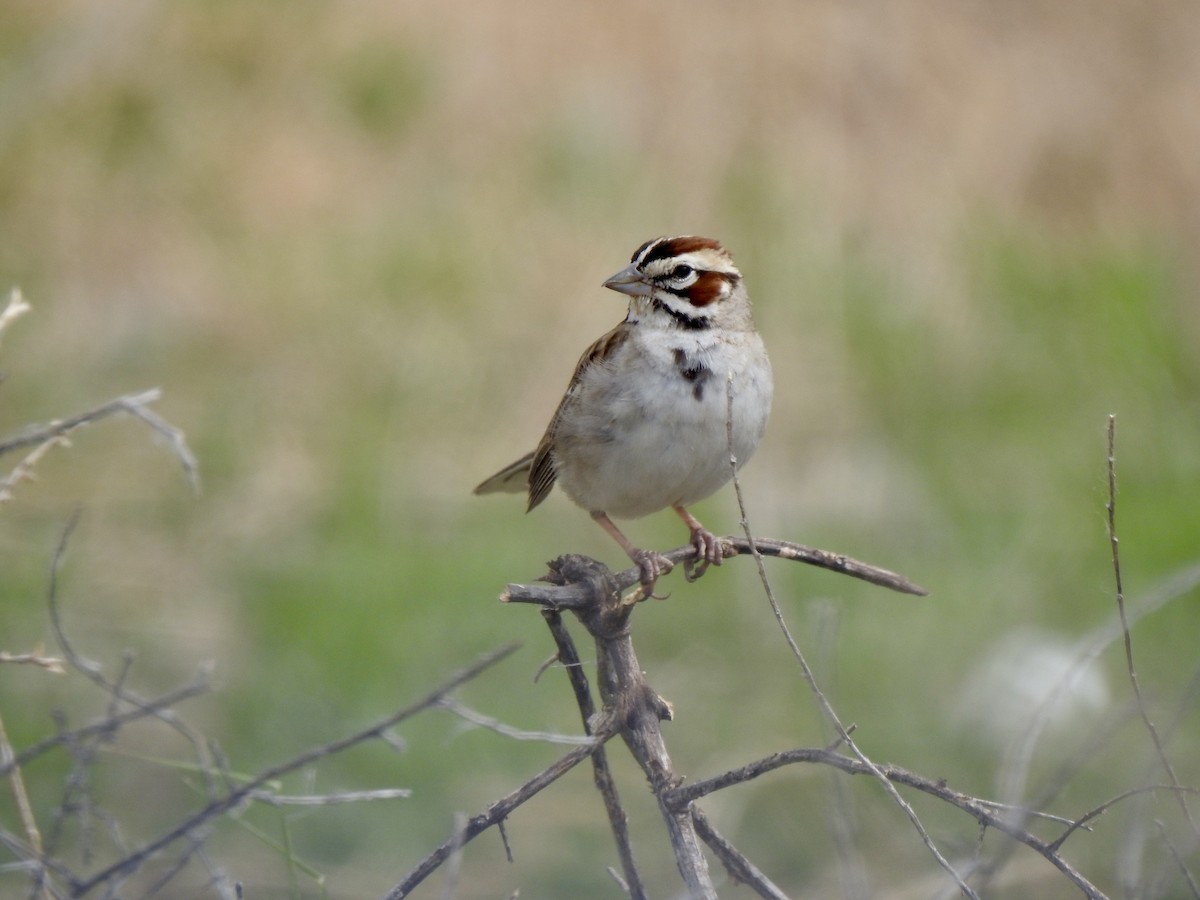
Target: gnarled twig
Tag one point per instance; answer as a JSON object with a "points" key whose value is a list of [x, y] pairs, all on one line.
{"points": [[574, 596]]}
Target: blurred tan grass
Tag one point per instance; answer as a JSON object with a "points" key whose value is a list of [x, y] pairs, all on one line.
{"points": [[361, 245]]}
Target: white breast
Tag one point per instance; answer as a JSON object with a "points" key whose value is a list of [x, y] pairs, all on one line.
{"points": [[648, 427]]}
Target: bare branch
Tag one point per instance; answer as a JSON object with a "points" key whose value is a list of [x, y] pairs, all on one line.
{"points": [[42, 437], [981, 811]]}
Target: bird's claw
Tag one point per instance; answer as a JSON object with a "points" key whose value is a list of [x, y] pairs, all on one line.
{"points": [[650, 566], [708, 552]]}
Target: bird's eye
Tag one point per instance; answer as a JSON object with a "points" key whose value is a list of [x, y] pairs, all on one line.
{"points": [[680, 272]]}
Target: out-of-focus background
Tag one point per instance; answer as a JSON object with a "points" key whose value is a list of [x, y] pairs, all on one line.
{"points": [[360, 247]]}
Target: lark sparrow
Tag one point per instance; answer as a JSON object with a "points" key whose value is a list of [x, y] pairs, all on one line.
{"points": [[643, 423]]}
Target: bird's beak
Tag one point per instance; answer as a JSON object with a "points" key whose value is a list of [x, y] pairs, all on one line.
{"points": [[629, 281]]}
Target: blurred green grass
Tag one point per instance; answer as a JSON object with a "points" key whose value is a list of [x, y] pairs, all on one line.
{"points": [[360, 249]]}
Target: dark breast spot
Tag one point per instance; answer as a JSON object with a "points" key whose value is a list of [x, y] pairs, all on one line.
{"points": [[695, 373]]}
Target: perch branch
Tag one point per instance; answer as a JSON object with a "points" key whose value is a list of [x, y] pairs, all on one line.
{"points": [[575, 596]]}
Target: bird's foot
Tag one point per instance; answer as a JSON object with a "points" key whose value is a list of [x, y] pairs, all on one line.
{"points": [[708, 548], [708, 552], [651, 564]]}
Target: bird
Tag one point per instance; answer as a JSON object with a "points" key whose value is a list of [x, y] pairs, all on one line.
{"points": [[660, 410]]}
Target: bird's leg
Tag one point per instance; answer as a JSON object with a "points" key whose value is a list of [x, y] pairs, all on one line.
{"points": [[708, 548], [649, 563]]}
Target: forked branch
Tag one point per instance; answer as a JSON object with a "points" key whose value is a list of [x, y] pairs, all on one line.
{"points": [[593, 595]]}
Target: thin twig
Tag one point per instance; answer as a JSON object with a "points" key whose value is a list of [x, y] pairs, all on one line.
{"points": [[23, 470], [14, 309], [852, 872], [477, 718], [495, 813], [38, 865], [740, 869], [1082, 821], [454, 861], [1027, 813], [616, 876], [1177, 858], [503, 829], [136, 405], [1021, 754], [49, 663], [195, 842], [1160, 749], [273, 799], [16, 782]]}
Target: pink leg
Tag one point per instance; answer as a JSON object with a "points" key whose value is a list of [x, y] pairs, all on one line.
{"points": [[650, 564], [708, 549]]}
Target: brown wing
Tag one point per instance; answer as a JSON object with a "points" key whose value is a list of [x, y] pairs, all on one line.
{"points": [[543, 468], [512, 479]]}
